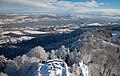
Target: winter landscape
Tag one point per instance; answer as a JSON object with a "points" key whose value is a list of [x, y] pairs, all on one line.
{"points": [[59, 38]]}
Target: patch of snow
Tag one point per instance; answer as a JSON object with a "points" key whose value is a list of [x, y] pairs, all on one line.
{"points": [[16, 40], [94, 24], [64, 30], [53, 68], [84, 69], [26, 38], [14, 32], [35, 32]]}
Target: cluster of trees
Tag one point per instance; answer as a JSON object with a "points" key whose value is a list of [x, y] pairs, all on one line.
{"points": [[27, 64], [93, 48]]}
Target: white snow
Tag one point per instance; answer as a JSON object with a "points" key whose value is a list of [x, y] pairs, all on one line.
{"points": [[64, 30], [94, 24], [84, 69], [58, 68], [14, 32], [16, 40], [25, 31], [26, 38], [35, 32], [53, 68]]}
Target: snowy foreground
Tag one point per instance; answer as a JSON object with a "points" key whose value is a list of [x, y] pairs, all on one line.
{"points": [[58, 67]]}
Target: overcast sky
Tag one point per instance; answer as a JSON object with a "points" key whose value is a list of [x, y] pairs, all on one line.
{"points": [[77, 7]]}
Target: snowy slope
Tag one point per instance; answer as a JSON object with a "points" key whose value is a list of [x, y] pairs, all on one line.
{"points": [[53, 68], [59, 68], [25, 31], [15, 40]]}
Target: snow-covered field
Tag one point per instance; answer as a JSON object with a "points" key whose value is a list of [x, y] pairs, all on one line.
{"points": [[24, 32], [35, 32], [64, 30], [2, 42], [15, 40], [94, 24]]}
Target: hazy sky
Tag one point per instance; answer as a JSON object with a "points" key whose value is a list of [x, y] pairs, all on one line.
{"points": [[79, 7]]}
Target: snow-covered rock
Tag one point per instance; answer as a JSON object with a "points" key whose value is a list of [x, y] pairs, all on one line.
{"points": [[53, 68]]}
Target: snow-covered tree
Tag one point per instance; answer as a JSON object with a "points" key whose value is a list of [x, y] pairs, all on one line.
{"points": [[3, 74], [38, 52], [12, 68], [27, 65]]}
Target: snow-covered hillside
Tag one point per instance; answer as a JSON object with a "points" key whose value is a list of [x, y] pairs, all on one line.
{"points": [[53, 68], [15, 39], [91, 53], [58, 67], [23, 32]]}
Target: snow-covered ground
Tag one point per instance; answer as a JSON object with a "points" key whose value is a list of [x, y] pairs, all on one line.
{"points": [[94, 24], [35, 32], [64, 30], [24, 32], [84, 68], [14, 32], [58, 68], [16, 40], [53, 68]]}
